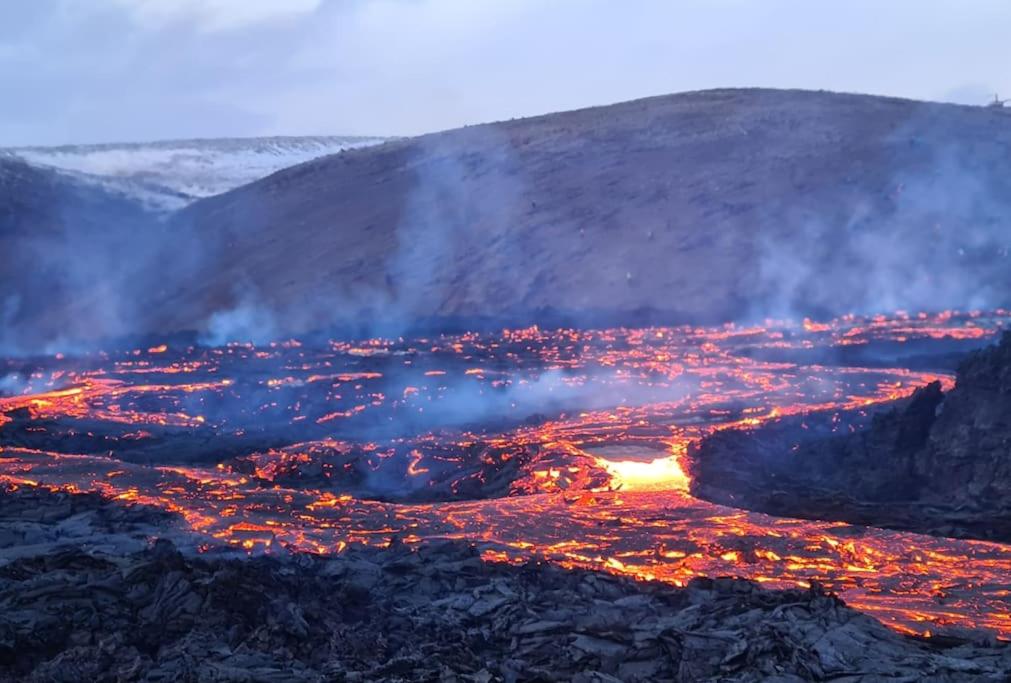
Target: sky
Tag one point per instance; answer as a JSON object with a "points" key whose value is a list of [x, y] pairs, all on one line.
{"points": [[87, 71]]}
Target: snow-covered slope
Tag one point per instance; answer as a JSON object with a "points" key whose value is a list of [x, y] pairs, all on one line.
{"points": [[171, 174]]}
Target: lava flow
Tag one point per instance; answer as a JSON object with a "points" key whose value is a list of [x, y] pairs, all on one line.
{"points": [[566, 444]]}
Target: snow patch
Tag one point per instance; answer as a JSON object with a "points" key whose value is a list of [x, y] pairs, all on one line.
{"points": [[168, 175]]}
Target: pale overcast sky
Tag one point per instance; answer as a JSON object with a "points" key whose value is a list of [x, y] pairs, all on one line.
{"points": [[121, 70]]}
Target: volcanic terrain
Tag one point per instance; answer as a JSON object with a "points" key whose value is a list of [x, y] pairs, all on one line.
{"points": [[937, 463], [495, 404]]}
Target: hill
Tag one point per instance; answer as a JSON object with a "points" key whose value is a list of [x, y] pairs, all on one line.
{"points": [[700, 207], [65, 244]]}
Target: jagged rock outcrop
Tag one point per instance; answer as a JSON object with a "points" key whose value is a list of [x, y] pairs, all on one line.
{"points": [[967, 459], [938, 463]]}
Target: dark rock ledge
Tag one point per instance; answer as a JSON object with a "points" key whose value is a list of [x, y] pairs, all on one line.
{"points": [[936, 463]]}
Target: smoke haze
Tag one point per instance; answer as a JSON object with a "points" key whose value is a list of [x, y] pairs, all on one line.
{"points": [[696, 208]]}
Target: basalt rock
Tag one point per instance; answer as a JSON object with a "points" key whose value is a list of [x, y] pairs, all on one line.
{"points": [[435, 612], [936, 463]]}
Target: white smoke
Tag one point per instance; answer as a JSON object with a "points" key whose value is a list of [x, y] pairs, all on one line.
{"points": [[246, 321], [937, 237], [13, 383]]}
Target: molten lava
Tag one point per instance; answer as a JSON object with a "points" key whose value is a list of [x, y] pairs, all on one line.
{"points": [[567, 444]]}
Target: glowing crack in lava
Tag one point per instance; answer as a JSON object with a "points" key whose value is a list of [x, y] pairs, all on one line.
{"points": [[566, 444]]}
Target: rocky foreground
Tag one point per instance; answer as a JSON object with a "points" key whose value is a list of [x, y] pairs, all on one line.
{"points": [[937, 463], [79, 601]]}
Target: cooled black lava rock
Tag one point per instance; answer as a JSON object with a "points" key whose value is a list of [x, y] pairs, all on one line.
{"points": [[435, 612], [934, 463]]}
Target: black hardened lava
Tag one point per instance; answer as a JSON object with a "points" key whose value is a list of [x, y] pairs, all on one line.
{"points": [[438, 611], [935, 463]]}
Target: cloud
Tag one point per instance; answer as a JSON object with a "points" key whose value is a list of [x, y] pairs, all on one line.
{"points": [[214, 15], [208, 68]]}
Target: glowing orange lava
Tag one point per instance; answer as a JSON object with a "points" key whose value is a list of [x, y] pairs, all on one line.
{"points": [[595, 425]]}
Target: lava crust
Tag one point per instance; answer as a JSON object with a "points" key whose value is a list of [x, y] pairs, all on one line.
{"points": [[936, 463], [434, 612]]}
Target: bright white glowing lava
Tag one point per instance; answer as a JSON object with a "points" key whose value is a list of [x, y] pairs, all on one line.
{"points": [[636, 468]]}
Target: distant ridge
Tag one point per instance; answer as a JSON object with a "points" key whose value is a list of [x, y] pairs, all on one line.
{"points": [[168, 174]]}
